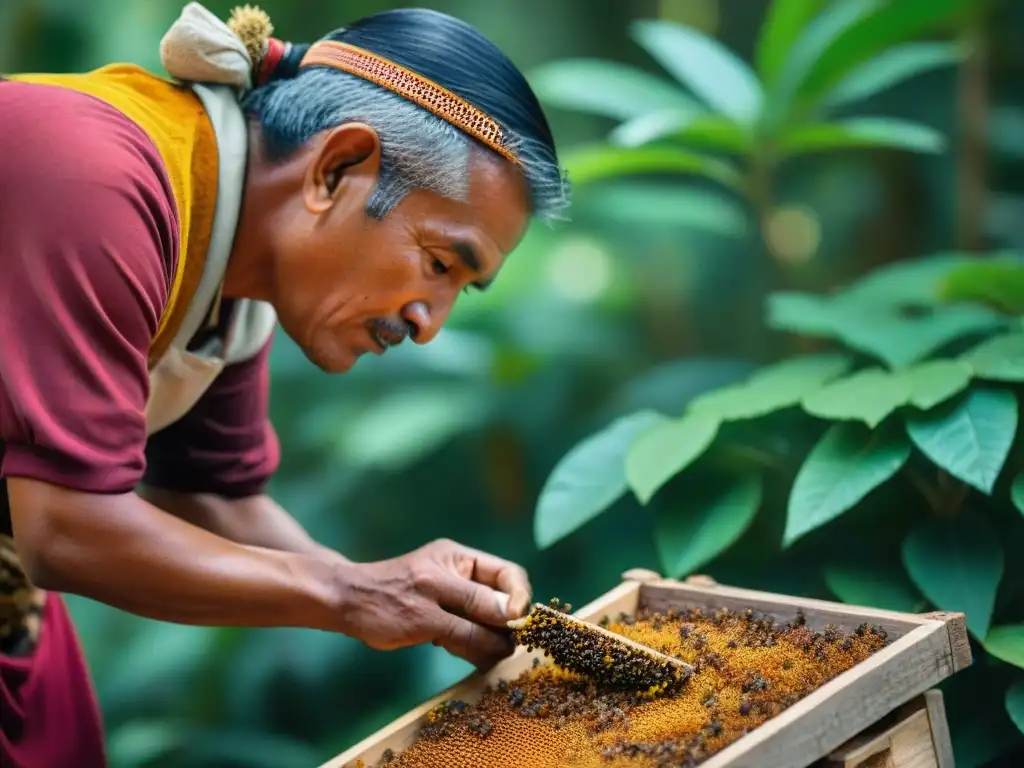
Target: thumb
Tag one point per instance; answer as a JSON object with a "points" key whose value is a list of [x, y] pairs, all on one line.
{"points": [[472, 600]]}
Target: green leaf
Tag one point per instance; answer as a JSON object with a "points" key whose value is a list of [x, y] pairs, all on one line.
{"points": [[868, 395], [785, 22], [595, 163], [713, 517], [995, 282], [588, 479], [935, 381], [843, 467], [1017, 493], [695, 130], [1000, 358], [666, 205], [816, 38], [772, 388], [663, 450], [971, 439], [607, 88], [1015, 705], [873, 585], [862, 133], [1006, 643], [889, 68], [957, 564], [713, 72], [873, 33]]}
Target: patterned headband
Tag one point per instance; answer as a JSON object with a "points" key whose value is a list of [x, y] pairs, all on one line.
{"points": [[253, 27]]}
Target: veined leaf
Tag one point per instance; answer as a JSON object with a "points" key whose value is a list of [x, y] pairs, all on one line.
{"points": [[785, 22], [713, 72], [972, 439], [957, 564], [705, 131], [862, 133], [935, 381], [588, 479], [815, 39], [772, 388], [711, 519], [604, 162], [607, 88], [890, 68], [846, 464], [664, 450], [868, 395], [1006, 643], [1000, 358], [889, 24]]}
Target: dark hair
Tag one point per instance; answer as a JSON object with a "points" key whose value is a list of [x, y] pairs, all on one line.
{"points": [[295, 105]]}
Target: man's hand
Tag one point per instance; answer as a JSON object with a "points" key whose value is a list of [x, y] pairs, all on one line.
{"points": [[442, 593]]}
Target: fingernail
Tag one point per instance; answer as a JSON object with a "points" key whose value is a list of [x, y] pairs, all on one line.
{"points": [[502, 600]]}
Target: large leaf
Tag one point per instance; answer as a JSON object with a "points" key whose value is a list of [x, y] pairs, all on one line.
{"points": [[773, 388], [873, 33], [890, 68], [712, 71], [868, 395], [703, 131], [873, 585], [663, 450], [595, 163], [785, 22], [862, 133], [607, 88], [1000, 358], [995, 282], [970, 439], [1015, 705], [935, 381], [957, 564], [1006, 643], [809, 46], [666, 205], [711, 519], [846, 464], [588, 479]]}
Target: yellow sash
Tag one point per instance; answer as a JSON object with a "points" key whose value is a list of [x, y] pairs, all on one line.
{"points": [[174, 119]]}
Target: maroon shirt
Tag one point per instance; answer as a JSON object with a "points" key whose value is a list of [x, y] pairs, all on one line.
{"points": [[88, 247]]}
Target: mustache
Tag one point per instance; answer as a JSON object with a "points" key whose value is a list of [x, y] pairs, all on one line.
{"points": [[392, 332]]}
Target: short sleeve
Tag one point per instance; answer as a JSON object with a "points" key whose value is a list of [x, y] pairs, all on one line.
{"points": [[226, 444], [88, 235]]}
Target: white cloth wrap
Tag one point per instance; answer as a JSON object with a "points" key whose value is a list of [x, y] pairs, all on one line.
{"points": [[201, 48]]}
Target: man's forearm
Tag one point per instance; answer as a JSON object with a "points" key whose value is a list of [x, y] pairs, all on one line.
{"points": [[127, 553], [258, 521]]}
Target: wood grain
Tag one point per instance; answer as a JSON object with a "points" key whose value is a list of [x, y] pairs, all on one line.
{"points": [[941, 739], [959, 640]]}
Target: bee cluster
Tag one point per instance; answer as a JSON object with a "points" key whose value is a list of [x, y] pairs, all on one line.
{"points": [[577, 648], [746, 670]]}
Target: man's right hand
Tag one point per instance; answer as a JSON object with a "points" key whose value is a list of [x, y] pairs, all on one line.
{"points": [[442, 593]]}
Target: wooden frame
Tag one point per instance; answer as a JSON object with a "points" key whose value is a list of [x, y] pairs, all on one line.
{"points": [[925, 649]]}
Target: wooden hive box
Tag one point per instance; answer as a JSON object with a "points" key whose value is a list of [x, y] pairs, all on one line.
{"points": [[882, 713]]}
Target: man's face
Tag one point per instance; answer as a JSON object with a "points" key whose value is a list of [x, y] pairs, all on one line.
{"points": [[346, 284]]}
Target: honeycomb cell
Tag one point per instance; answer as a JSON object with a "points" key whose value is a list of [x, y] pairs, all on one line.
{"points": [[746, 670]]}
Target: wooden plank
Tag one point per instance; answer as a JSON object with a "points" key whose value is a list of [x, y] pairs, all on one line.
{"points": [[662, 595], [959, 640], [941, 739], [400, 734], [839, 710], [906, 744]]}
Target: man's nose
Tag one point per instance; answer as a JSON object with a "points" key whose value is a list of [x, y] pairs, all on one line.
{"points": [[424, 322]]}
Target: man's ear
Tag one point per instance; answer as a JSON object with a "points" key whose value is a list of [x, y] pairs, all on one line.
{"points": [[346, 162]]}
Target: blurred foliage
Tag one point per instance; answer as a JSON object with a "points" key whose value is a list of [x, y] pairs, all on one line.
{"points": [[812, 445]]}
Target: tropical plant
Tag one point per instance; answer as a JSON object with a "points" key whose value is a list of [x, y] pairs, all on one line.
{"points": [[887, 462], [735, 124]]}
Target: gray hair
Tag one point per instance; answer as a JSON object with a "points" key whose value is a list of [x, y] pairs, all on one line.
{"points": [[418, 150]]}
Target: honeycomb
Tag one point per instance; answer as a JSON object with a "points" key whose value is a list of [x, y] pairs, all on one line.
{"points": [[746, 671]]}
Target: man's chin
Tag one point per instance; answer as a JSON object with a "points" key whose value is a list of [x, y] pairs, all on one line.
{"points": [[338, 360]]}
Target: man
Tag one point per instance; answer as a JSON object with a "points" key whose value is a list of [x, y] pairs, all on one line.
{"points": [[150, 234]]}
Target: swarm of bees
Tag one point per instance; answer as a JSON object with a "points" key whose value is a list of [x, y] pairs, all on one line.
{"points": [[570, 713]]}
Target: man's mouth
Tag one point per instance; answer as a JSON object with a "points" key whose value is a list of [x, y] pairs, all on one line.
{"points": [[383, 338]]}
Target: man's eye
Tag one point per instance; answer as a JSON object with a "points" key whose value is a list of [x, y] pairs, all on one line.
{"points": [[439, 267]]}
